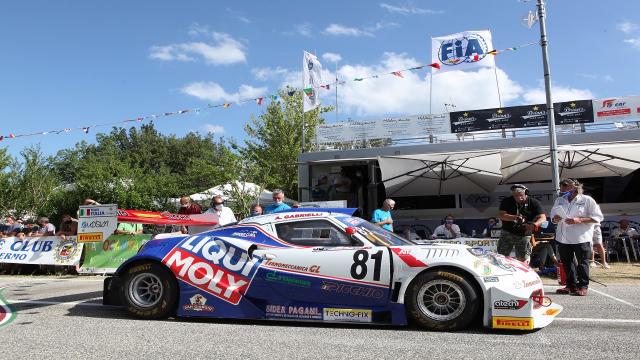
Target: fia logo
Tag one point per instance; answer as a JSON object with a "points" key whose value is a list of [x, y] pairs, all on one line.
{"points": [[468, 49]]}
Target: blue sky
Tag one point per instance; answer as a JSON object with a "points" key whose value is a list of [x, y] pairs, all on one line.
{"points": [[68, 64]]}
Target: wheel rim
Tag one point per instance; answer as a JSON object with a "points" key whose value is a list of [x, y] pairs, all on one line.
{"points": [[145, 290], [441, 300]]}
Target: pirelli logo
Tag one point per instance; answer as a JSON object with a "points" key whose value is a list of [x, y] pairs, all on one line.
{"points": [[513, 323], [90, 237]]}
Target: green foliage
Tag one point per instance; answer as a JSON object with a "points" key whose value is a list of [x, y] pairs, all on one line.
{"points": [[274, 142]]}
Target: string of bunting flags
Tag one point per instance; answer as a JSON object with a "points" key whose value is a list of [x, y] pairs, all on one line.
{"points": [[258, 100]]}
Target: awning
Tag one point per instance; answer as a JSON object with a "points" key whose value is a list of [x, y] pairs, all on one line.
{"points": [[534, 164], [439, 174]]}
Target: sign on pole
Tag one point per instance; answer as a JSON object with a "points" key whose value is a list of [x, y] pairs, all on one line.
{"points": [[96, 222]]}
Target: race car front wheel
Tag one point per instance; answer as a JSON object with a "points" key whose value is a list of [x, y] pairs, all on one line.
{"points": [[150, 291], [441, 300]]}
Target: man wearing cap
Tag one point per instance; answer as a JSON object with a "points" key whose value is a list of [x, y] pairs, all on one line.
{"points": [[520, 215], [575, 214]]}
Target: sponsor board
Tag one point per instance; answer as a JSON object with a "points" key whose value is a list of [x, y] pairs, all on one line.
{"points": [[509, 304], [198, 303], [46, 250], [512, 323], [293, 312], [348, 315], [213, 266], [96, 222], [105, 257], [354, 290], [90, 237], [617, 108], [274, 276], [92, 211]]}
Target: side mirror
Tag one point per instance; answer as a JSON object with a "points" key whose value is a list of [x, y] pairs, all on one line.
{"points": [[350, 230]]}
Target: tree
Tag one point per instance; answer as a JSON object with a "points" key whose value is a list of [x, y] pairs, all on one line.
{"points": [[274, 142]]}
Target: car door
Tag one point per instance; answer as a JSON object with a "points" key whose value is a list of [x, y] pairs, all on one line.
{"points": [[328, 267]]}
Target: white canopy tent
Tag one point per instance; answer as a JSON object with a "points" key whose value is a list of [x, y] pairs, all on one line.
{"points": [[439, 174], [263, 196], [574, 161]]}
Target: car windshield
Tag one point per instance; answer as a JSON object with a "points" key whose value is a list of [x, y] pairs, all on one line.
{"points": [[380, 236]]}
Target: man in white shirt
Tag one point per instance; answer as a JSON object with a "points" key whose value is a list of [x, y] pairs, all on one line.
{"points": [[225, 214], [575, 213], [448, 230], [624, 230]]}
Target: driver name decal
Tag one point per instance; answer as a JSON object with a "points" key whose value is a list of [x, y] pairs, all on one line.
{"points": [[213, 266]]}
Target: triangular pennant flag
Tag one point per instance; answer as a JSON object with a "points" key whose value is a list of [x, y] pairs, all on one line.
{"points": [[511, 49], [435, 65], [85, 129], [308, 91], [291, 93], [1, 137], [328, 86], [226, 105], [398, 74], [259, 101], [493, 52], [183, 111], [11, 136], [476, 57], [141, 118], [417, 67], [166, 114], [358, 79]]}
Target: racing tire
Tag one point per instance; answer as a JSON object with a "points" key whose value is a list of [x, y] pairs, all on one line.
{"points": [[150, 291], [441, 300]]}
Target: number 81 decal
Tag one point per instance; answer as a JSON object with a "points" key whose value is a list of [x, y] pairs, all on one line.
{"points": [[359, 266]]}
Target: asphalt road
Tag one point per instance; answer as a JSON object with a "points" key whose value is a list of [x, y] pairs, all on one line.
{"points": [[64, 318]]}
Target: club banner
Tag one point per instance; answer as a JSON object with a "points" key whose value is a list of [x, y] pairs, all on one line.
{"points": [[573, 112], [105, 257], [468, 50], [618, 108], [166, 218], [44, 250]]}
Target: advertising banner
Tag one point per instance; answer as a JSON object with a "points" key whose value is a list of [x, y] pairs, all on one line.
{"points": [[573, 112], [392, 128], [166, 218], [487, 244], [43, 250], [105, 257], [616, 108], [468, 50], [96, 222]]}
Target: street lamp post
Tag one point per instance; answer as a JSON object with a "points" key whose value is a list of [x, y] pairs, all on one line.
{"points": [[553, 143]]}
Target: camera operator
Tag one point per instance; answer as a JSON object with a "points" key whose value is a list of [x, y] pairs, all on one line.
{"points": [[521, 215]]}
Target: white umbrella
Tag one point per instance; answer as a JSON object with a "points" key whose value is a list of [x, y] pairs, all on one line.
{"points": [[584, 161], [438, 174]]}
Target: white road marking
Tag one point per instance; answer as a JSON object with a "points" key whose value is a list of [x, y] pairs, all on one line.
{"points": [[605, 295], [616, 321], [43, 302]]}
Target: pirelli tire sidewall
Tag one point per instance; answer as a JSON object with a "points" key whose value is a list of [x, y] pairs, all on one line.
{"points": [[168, 299], [461, 321]]}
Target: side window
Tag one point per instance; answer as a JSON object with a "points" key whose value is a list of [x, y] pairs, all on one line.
{"points": [[314, 233]]}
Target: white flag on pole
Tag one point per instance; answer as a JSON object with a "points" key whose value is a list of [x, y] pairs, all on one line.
{"points": [[311, 81], [468, 50]]}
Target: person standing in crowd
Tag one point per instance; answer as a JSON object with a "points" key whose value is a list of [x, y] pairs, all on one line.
{"points": [[68, 226], [575, 214], [521, 215], [225, 214], [278, 203], [256, 210], [597, 246], [382, 217], [11, 227], [624, 230], [45, 229], [187, 207], [447, 230], [492, 224], [88, 201]]}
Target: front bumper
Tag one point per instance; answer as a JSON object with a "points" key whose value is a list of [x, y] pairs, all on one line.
{"points": [[520, 313]]}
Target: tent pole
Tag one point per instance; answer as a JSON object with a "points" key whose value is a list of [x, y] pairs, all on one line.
{"points": [[553, 143]]}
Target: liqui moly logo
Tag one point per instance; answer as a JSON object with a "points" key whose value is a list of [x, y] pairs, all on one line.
{"points": [[214, 266]]}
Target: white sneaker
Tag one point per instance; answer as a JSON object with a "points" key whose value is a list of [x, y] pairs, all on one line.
{"points": [[606, 266], [593, 264]]}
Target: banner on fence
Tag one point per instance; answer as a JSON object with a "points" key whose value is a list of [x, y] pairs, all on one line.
{"points": [[96, 222], [487, 244], [616, 108], [106, 256], [43, 250]]}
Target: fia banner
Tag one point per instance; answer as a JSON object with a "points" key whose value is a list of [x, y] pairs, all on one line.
{"points": [[468, 50], [44, 250], [616, 108]]}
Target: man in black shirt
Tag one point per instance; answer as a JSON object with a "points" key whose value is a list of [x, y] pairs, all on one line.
{"points": [[520, 215]]}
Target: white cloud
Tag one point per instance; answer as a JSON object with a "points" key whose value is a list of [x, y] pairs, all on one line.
{"points": [[607, 78], [558, 93], [214, 129], [634, 42], [627, 27], [224, 50], [304, 29], [341, 30], [409, 10], [331, 57], [212, 91], [267, 73]]}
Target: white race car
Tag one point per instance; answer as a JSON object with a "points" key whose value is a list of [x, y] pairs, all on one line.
{"points": [[319, 265]]}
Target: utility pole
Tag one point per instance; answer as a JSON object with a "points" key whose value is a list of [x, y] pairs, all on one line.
{"points": [[553, 143]]}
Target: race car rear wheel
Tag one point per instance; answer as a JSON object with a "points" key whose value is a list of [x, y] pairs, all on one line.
{"points": [[150, 291], [441, 300]]}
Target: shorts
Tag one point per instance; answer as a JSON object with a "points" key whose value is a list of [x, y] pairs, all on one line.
{"points": [[597, 236], [522, 244]]}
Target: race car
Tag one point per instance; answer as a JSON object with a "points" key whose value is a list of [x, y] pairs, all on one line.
{"points": [[327, 266]]}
